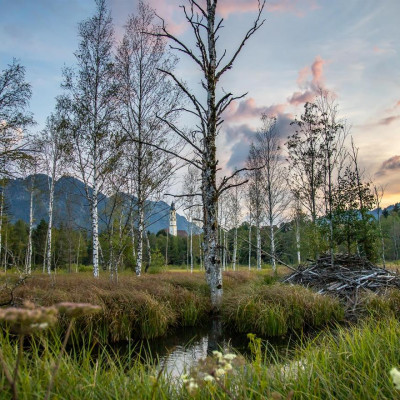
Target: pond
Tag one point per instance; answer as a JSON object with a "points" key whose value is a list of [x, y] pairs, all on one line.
{"points": [[176, 352]]}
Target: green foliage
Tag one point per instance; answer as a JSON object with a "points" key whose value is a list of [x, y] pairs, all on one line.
{"points": [[348, 363], [275, 310]]}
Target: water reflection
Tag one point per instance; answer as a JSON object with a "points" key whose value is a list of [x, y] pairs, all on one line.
{"points": [[181, 349]]}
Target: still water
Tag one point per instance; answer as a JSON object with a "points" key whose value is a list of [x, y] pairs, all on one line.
{"points": [[176, 352]]}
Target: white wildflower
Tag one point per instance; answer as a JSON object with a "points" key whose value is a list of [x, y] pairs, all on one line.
{"points": [[230, 356], [219, 372], [193, 386], [395, 373], [208, 378], [227, 367], [217, 354]]}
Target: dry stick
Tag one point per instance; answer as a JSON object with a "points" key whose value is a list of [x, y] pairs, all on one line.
{"points": [[57, 364], [8, 376]]}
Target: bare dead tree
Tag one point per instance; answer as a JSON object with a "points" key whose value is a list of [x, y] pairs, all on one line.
{"points": [[206, 26]]}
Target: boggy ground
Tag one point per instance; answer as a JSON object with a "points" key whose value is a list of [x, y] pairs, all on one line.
{"points": [[148, 306]]}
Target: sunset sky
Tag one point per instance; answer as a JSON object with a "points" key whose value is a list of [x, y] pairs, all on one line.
{"points": [[350, 47]]}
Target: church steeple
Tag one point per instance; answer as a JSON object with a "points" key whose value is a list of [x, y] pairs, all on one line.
{"points": [[172, 220]]}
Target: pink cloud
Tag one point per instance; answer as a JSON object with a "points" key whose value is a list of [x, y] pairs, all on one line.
{"points": [[388, 120], [303, 75], [297, 7], [172, 15], [247, 109], [310, 88], [391, 164], [377, 50]]}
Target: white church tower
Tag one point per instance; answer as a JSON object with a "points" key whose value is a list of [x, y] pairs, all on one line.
{"points": [[172, 220]]}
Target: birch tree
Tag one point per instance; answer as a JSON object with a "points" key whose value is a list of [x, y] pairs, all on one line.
{"points": [[207, 108], [146, 95], [53, 151], [15, 94], [333, 136], [306, 160], [234, 211], [191, 191], [91, 99], [29, 169], [273, 178], [379, 191], [256, 196]]}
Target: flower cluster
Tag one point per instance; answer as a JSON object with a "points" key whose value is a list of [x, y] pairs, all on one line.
{"points": [[190, 383], [29, 320], [211, 370]]}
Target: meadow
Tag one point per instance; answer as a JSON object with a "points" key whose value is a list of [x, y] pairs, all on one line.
{"points": [[342, 360]]}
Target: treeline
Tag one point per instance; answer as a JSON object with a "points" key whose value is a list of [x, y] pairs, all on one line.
{"points": [[72, 250]]}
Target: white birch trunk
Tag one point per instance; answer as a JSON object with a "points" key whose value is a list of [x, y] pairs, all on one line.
{"points": [[28, 265], [273, 258], [223, 243], [258, 234], [234, 250], [1, 217], [95, 229], [250, 247], [191, 246], [47, 257], [148, 250], [139, 258], [298, 242], [133, 236]]}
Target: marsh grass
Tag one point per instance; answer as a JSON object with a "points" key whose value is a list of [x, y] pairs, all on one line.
{"points": [[144, 307], [141, 308], [275, 309], [347, 363], [381, 304]]}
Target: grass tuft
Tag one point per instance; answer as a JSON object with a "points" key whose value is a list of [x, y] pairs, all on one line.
{"points": [[276, 309]]}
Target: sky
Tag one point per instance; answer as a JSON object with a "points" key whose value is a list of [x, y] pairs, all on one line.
{"points": [[350, 47]]}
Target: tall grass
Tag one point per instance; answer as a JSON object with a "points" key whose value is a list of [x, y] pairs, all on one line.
{"points": [[344, 364], [144, 307], [276, 309]]}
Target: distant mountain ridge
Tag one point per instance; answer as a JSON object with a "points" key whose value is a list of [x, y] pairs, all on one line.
{"points": [[71, 206]]}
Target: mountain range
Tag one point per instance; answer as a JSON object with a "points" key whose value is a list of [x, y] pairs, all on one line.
{"points": [[71, 205]]}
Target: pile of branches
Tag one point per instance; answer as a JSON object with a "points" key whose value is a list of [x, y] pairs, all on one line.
{"points": [[346, 278]]}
